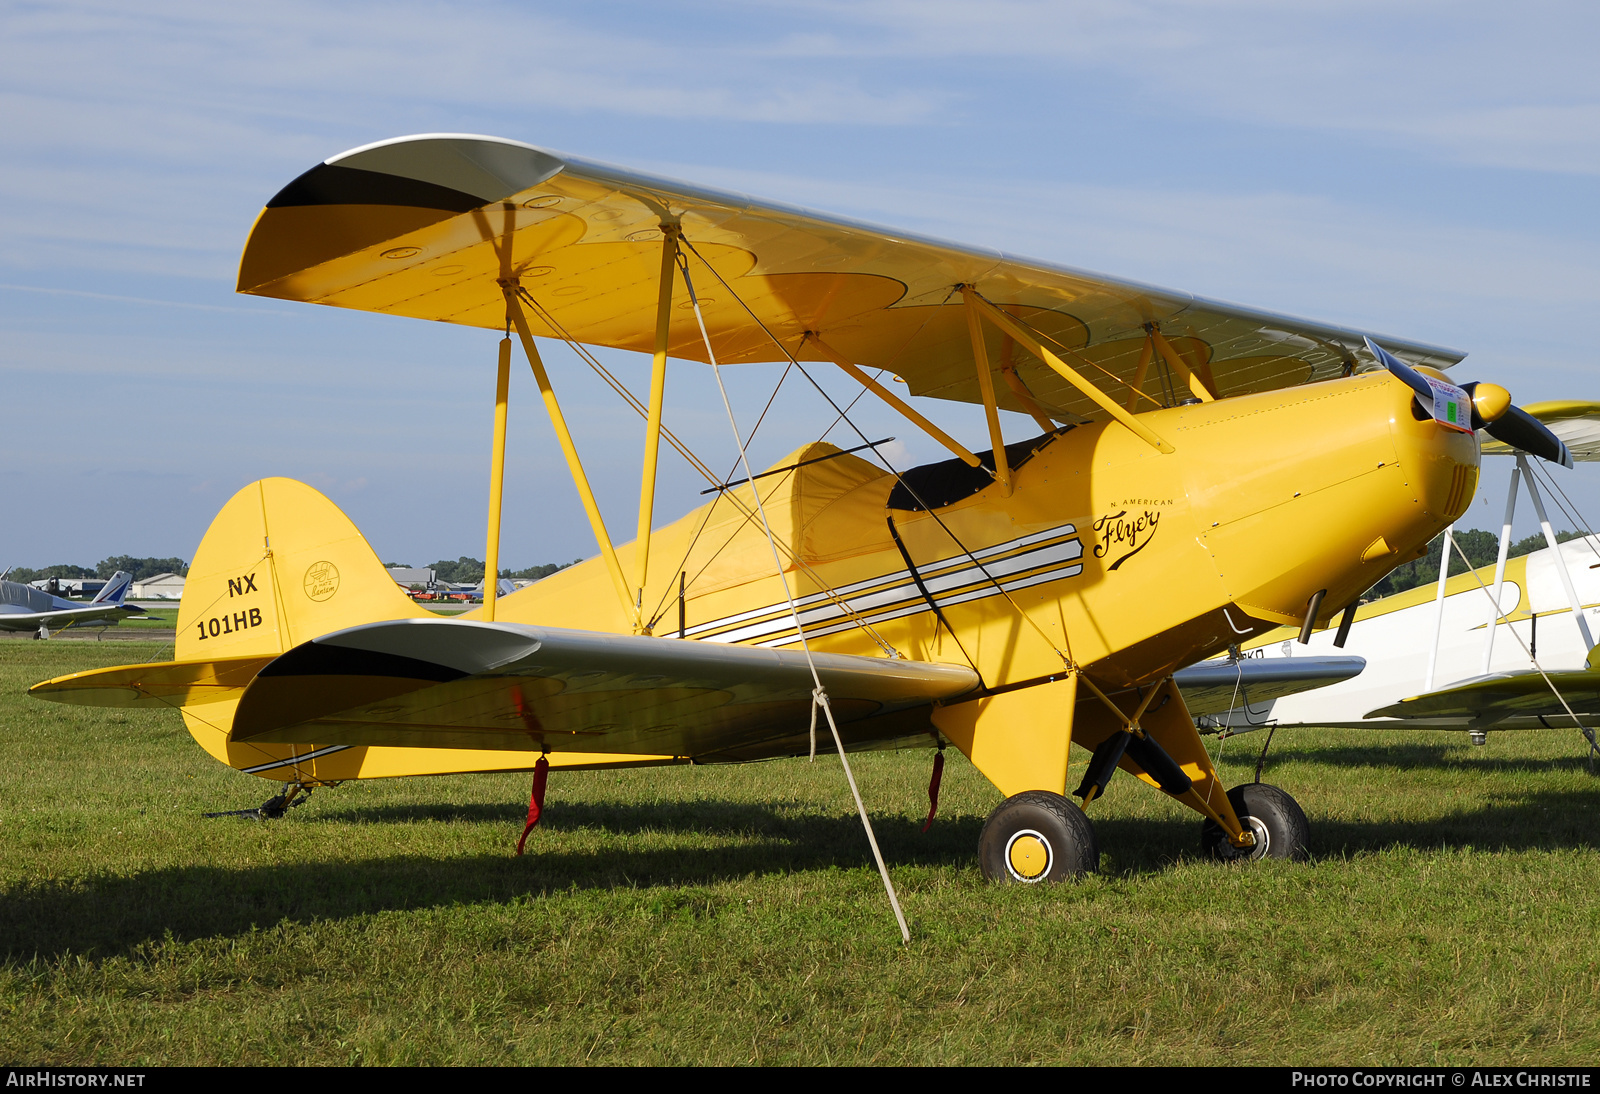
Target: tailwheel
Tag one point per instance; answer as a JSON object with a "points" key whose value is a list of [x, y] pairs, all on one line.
{"points": [[1037, 836], [292, 796], [1276, 820]]}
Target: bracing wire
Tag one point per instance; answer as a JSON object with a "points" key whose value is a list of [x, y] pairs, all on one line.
{"points": [[706, 473], [749, 517], [839, 601], [819, 694], [1502, 617], [1222, 738], [1066, 655], [1575, 518]]}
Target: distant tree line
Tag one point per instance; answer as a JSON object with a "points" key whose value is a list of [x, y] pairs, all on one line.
{"points": [[140, 568], [534, 573], [1479, 546], [469, 571]]}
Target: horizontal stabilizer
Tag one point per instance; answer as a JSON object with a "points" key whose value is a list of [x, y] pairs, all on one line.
{"points": [[162, 684], [440, 683], [1216, 687]]}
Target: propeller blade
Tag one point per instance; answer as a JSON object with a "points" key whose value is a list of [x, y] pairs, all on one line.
{"points": [[1448, 405], [1419, 383], [1515, 426], [1522, 430]]}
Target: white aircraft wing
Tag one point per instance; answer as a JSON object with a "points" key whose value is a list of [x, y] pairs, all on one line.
{"points": [[1524, 699], [1216, 687], [1575, 422], [32, 621]]}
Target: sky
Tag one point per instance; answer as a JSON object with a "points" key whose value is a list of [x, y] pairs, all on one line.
{"points": [[1425, 169]]}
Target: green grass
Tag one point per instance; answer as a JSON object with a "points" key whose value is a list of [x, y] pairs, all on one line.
{"points": [[731, 915], [160, 619]]}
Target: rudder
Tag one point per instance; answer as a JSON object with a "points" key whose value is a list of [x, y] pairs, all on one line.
{"points": [[281, 565], [115, 590]]}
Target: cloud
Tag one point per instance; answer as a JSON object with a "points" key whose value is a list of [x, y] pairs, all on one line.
{"points": [[287, 62], [136, 140], [1484, 83]]}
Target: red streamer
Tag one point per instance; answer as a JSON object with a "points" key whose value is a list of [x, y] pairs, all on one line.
{"points": [[541, 773], [933, 788]]}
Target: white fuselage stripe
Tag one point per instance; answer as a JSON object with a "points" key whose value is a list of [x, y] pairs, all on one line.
{"points": [[1030, 560]]}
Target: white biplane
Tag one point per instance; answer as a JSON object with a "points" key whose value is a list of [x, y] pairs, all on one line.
{"points": [[1504, 646]]}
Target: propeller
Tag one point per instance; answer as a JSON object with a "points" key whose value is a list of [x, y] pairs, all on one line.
{"points": [[1477, 406]]}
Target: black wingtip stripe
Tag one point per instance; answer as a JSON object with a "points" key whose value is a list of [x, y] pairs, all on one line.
{"points": [[330, 184]]}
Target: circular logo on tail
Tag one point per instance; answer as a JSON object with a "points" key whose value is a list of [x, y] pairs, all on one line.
{"points": [[322, 580]]}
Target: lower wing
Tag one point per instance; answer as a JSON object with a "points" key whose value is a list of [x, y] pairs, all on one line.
{"points": [[437, 683], [91, 613], [1217, 687], [1506, 700]]}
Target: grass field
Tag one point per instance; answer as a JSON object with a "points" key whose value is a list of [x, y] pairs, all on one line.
{"points": [[731, 915]]}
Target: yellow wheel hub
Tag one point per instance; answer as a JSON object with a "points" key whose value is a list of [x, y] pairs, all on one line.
{"points": [[1029, 856]]}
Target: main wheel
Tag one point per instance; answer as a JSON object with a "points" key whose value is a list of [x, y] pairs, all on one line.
{"points": [[1280, 828], [1037, 836]]}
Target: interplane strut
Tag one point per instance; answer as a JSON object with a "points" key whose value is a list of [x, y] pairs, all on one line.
{"points": [[1029, 341], [570, 451]]}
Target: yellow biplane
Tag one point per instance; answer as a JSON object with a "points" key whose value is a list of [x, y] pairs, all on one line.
{"points": [[1201, 473]]}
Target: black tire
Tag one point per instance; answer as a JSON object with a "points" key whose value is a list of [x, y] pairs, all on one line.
{"points": [[1280, 827], [1037, 836]]}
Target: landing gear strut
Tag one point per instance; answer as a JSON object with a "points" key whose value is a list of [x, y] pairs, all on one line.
{"points": [[1279, 825], [1037, 836]]}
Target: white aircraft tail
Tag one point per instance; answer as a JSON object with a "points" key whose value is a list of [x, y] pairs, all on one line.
{"points": [[115, 590]]}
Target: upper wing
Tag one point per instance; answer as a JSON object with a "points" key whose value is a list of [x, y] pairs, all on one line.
{"points": [[428, 226], [458, 684], [1217, 687], [1507, 699], [1575, 422]]}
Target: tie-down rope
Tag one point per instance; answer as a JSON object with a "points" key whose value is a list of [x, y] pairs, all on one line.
{"points": [[819, 695]]}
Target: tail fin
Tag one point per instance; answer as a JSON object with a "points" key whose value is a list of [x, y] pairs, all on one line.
{"points": [[115, 589], [281, 565]]}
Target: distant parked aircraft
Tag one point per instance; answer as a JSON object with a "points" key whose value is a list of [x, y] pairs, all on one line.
{"points": [[24, 608]]}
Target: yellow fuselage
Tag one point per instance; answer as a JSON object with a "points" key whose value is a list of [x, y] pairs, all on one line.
{"points": [[1267, 500], [1108, 558]]}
